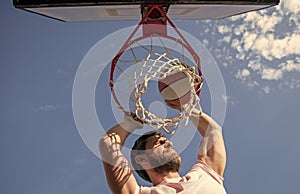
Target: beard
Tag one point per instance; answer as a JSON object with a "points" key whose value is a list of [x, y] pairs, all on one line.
{"points": [[169, 162]]}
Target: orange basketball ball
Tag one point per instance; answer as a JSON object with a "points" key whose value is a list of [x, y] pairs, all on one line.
{"points": [[175, 88]]}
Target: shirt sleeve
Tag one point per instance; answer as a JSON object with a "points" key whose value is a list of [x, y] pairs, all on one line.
{"points": [[142, 190], [202, 166], [137, 189]]}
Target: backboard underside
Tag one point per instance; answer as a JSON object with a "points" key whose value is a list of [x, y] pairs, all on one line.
{"points": [[72, 10]]}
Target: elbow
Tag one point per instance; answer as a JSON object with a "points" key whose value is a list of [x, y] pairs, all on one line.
{"points": [[216, 126]]}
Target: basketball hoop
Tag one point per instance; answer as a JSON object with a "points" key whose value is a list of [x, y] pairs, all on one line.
{"points": [[150, 57]]}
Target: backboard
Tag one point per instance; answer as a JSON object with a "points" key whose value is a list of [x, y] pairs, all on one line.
{"points": [[89, 10]]}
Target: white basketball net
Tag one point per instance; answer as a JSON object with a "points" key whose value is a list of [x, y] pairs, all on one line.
{"points": [[153, 67]]}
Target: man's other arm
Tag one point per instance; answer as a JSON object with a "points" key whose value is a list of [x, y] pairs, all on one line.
{"points": [[119, 175], [212, 148]]}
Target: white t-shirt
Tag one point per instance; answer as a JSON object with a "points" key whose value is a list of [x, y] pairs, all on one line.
{"points": [[201, 179]]}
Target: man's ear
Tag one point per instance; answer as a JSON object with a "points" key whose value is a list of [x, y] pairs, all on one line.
{"points": [[141, 159]]}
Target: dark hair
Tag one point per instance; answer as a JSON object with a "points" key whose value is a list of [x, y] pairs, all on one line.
{"points": [[138, 148]]}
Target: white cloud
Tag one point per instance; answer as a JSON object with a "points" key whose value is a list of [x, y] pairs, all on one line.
{"points": [[252, 84], [260, 20], [245, 72], [271, 74], [249, 39], [242, 74], [224, 29], [267, 41], [286, 46], [205, 42], [236, 43], [47, 108], [268, 46], [229, 100], [291, 5], [227, 39], [50, 107], [261, 48], [266, 89], [254, 65], [276, 74], [290, 65], [260, 33]]}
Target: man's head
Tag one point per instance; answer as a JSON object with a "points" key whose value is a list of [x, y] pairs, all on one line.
{"points": [[155, 151]]}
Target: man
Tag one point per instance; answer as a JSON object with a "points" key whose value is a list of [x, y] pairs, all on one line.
{"points": [[156, 161]]}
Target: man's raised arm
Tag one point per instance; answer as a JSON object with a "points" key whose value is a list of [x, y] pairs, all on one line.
{"points": [[212, 148], [119, 175]]}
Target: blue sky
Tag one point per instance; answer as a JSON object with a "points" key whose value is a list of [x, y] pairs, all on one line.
{"points": [[40, 147]]}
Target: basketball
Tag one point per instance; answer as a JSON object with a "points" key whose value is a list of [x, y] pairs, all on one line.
{"points": [[175, 88]]}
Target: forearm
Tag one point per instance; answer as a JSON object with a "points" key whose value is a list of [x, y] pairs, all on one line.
{"points": [[212, 148], [117, 169], [212, 142], [204, 123]]}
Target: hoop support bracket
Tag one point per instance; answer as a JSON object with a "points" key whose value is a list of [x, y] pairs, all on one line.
{"points": [[154, 19]]}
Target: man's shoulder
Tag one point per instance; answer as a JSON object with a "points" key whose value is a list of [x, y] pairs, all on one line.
{"points": [[200, 168]]}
